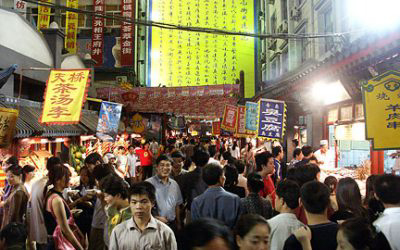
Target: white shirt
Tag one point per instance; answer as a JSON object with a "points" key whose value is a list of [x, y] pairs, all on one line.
{"points": [[282, 226], [37, 227], [157, 235], [235, 153], [389, 224], [328, 158]]}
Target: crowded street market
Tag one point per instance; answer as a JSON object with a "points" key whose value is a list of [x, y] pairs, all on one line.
{"points": [[188, 124]]}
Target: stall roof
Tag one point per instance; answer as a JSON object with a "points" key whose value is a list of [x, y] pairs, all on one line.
{"points": [[90, 120]]}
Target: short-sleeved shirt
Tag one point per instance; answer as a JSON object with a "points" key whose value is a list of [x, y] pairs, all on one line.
{"points": [[168, 196], [37, 228], [157, 235], [132, 163], [389, 224], [323, 237], [282, 226], [145, 158]]}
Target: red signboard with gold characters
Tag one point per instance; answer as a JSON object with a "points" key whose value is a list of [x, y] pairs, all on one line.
{"points": [[66, 91]]}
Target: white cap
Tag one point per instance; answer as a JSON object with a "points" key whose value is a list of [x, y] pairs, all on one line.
{"points": [[323, 143]]}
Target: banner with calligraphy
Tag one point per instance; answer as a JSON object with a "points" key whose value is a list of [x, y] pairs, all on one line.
{"points": [[241, 121], [107, 127], [43, 16], [251, 117], [8, 121], [229, 119], [71, 27], [272, 119], [216, 128], [20, 6], [97, 47], [382, 110], [127, 32], [201, 58], [65, 94]]}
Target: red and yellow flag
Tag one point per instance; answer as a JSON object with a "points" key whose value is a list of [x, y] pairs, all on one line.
{"points": [[71, 27]]}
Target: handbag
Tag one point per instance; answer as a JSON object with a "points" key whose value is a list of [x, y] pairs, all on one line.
{"points": [[60, 241]]}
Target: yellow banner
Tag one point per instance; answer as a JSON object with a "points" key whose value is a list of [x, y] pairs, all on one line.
{"points": [[43, 16], [71, 27], [65, 94], [8, 121], [381, 96], [181, 58]]}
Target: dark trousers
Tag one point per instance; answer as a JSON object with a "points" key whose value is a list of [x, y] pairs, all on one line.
{"points": [[147, 172]]}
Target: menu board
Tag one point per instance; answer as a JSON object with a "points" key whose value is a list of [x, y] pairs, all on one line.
{"points": [[182, 58]]}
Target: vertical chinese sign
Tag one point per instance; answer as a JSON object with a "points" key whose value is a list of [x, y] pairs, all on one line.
{"points": [[8, 121], [251, 117], [272, 119], [229, 119], [241, 121], [216, 128], [98, 32], [127, 32], [65, 94], [43, 16], [71, 27], [107, 126], [381, 96], [20, 6]]}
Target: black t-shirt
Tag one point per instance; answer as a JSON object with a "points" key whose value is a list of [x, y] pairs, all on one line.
{"points": [[341, 215], [323, 238]]}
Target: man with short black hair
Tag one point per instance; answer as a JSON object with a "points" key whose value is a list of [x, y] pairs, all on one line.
{"points": [[242, 181], [265, 168], [307, 152], [315, 199], [177, 167], [212, 150], [285, 223], [168, 193], [297, 156], [277, 152], [143, 230], [215, 202], [387, 190]]}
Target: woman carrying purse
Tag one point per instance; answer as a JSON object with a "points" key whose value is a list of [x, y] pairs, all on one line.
{"points": [[57, 216]]}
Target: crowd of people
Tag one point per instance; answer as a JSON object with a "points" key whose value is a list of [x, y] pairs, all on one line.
{"points": [[197, 195]]}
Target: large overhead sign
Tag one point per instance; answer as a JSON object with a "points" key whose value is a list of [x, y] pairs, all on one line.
{"points": [[180, 58]]}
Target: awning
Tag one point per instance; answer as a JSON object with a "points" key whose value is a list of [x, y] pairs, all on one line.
{"points": [[89, 120]]}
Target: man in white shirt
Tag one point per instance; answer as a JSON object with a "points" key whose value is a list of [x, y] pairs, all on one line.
{"points": [[324, 156], [143, 231], [284, 224], [387, 190], [133, 162]]}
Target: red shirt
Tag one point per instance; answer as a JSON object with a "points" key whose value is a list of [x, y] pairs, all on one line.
{"points": [[269, 189], [145, 157]]}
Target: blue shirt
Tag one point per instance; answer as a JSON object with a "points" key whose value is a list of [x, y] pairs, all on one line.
{"points": [[168, 196], [217, 203]]}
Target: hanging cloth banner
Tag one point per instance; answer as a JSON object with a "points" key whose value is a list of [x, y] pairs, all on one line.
{"points": [[241, 121], [229, 119], [127, 32], [71, 27], [43, 16], [107, 127], [382, 110], [251, 117], [98, 32], [8, 121], [65, 94], [216, 128], [272, 122]]}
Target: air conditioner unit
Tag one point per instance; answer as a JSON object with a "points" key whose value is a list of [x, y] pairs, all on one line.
{"points": [[295, 13], [285, 26]]}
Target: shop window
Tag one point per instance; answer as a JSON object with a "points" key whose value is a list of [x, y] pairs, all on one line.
{"points": [[333, 115], [346, 113]]}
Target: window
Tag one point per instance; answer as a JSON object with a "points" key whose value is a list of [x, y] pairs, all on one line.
{"points": [[302, 47], [273, 23], [285, 61], [284, 9], [326, 27]]}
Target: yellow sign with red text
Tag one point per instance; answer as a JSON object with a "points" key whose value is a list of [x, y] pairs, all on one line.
{"points": [[43, 16], [65, 94], [71, 27]]}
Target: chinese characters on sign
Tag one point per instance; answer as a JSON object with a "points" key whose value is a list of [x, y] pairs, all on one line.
{"points": [[230, 118], [20, 6], [107, 127], [65, 94], [98, 32], [127, 32], [241, 121], [381, 96], [272, 119], [181, 58], [71, 27], [216, 128], [251, 117], [8, 121], [43, 16]]}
